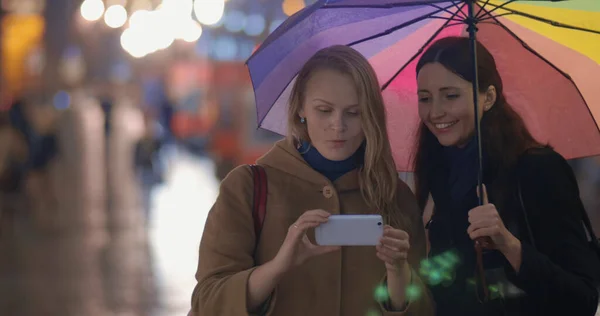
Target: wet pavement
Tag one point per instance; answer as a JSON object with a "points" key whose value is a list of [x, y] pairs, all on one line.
{"points": [[130, 270]]}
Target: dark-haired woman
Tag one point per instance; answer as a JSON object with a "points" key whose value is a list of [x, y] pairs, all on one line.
{"points": [[540, 262]]}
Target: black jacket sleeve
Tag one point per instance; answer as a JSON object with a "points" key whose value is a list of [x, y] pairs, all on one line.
{"points": [[561, 272]]}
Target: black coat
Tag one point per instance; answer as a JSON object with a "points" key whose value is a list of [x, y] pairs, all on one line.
{"points": [[559, 272]]}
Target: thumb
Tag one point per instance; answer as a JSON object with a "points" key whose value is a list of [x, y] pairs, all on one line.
{"points": [[485, 194]]}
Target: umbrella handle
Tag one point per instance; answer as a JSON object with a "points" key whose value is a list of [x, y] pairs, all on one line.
{"points": [[484, 243]]}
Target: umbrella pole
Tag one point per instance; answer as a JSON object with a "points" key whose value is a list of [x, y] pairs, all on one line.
{"points": [[483, 242], [472, 29]]}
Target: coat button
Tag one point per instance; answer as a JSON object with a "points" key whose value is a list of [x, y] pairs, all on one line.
{"points": [[327, 191]]}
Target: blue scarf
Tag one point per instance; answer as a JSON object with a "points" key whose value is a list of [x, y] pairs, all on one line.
{"points": [[329, 168]]}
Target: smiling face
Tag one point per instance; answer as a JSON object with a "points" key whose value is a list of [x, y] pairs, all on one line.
{"points": [[333, 114], [446, 104]]}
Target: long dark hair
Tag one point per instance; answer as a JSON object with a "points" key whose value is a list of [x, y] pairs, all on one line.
{"points": [[504, 135]]}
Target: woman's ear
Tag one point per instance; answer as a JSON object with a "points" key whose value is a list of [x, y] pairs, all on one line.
{"points": [[490, 98]]}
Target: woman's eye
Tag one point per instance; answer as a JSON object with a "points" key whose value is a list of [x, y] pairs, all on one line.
{"points": [[452, 96], [354, 113], [424, 99]]}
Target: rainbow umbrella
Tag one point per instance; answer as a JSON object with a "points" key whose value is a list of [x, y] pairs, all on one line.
{"points": [[548, 53]]}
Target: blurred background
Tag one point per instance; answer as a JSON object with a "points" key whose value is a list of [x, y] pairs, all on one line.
{"points": [[118, 119]]}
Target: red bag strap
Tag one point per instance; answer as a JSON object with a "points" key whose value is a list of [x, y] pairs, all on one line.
{"points": [[259, 208]]}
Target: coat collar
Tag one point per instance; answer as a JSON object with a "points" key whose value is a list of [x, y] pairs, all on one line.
{"points": [[285, 157]]}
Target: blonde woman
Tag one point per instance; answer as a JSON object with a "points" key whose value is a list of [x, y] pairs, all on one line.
{"points": [[336, 160]]}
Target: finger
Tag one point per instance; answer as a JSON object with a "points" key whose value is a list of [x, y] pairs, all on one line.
{"points": [[398, 245], [389, 231], [484, 232], [300, 228], [312, 218], [485, 195], [483, 222], [487, 223], [484, 211], [319, 212], [396, 255], [385, 258]]}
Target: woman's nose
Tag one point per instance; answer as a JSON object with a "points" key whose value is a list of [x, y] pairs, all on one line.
{"points": [[338, 123], [436, 111]]}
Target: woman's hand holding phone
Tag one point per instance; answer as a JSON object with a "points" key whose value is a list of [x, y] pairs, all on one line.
{"points": [[297, 248]]}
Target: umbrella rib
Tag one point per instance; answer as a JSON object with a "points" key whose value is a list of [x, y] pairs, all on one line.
{"points": [[478, 12], [455, 24], [495, 16], [531, 50], [382, 6], [395, 28], [387, 83], [548, 21], [446, 9], [459, 9], [451, 19], [496, 7]]}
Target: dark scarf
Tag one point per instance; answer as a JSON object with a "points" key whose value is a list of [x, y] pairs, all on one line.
{"points": [[329, 168], [463, 168]]}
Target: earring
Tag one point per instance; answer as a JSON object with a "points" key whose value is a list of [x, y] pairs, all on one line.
{"points": [[302, 120]]}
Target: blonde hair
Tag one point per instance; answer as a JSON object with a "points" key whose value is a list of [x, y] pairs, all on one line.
{"points": [[378, 176]]}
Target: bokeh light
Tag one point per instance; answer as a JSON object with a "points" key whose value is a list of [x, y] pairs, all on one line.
{"points": [[255, 25], [373, 312], [115, 16], [151, 31], [61, 100], [290, 7], [190, 31], [209, 12], [413, 293], [381, 293], [139, 18], [180, 8], [440, 269], [235, 21], [92, 10]]}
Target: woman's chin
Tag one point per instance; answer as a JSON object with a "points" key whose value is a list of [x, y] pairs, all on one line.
{"points": [[448, 140]]}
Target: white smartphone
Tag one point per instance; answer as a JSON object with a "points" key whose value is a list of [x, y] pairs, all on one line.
{"points": [[350, 230]]}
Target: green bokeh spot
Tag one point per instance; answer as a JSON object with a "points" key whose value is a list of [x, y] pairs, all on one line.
{"points": [[435, 277], [381, 294], [495, 291], [413, 293], [426, 264], [373, 312], [443, 262], [452, 257]]}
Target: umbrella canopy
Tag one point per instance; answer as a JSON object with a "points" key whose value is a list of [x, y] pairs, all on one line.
{"points": [[548, 54]]}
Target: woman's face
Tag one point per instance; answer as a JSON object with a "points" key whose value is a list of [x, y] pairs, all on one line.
{"points": [[446, 104], [333, 114]]}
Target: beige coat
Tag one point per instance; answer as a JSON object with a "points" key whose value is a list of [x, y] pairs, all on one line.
{"points": [[339, 283]]}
